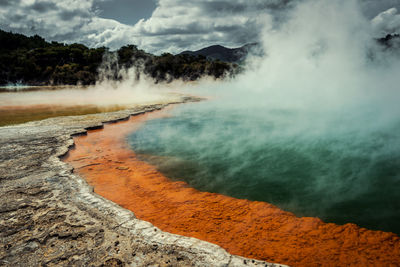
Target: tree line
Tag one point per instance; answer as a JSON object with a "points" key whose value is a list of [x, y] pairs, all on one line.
{"points": [[34, 61]]}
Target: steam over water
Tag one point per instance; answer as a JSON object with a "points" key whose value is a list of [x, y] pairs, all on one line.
{"points": [[338, 176], [313, 127]]}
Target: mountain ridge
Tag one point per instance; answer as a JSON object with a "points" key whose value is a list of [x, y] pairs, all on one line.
{"points": [[222, 53]]}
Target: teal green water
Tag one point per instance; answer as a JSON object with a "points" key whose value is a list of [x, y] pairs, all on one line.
{"points": [[321, 166]]}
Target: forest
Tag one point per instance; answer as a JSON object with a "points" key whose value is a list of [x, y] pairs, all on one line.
{"points": [[35, 61]]}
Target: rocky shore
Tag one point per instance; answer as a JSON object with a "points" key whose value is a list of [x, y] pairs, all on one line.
{"points": [[49, 216]]}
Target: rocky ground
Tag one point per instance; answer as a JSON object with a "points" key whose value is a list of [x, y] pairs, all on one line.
{"points": [[49, 216]]}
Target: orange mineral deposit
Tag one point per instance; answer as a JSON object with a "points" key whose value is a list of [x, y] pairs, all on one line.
{"points": [[247, 228]]}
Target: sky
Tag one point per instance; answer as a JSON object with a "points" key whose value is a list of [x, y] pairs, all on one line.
{"points": [[166, 25], [126, 11]]}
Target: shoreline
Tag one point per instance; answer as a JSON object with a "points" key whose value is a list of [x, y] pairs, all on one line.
{"points": [[50, 216], [14, 115], [251, 229]]}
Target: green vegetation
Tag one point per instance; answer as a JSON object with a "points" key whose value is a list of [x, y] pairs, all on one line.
{"points": [[34, 61]]}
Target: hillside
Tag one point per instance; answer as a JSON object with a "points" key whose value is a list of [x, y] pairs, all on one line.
{"points": [[225, 54], [34, 61]]}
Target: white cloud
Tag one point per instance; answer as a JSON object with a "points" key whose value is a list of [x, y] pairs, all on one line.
{"points": [[55, 20], [386, 22], [175, 25], [201, 23]]}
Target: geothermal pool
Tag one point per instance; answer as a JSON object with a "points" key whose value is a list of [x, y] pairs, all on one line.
{"points": [[248, 228], [333, 170]]}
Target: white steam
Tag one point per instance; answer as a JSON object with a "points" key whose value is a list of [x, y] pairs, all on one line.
{"points": [[324, 86], [323, 61], [132, 87]]}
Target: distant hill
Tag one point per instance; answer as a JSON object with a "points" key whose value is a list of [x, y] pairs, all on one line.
{"points": [[233, 55], [237, 55]]}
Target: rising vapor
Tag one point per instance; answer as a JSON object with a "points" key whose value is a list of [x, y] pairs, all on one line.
{"points": [[312, 127]]}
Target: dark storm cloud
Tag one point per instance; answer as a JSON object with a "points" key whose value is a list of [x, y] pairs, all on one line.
{"points": [[226, 8], [8, 2], [43, 6]]}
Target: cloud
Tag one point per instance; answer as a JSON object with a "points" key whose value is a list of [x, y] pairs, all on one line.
{"points": [[386, 22], [51, 19], [43, 6], [174, 25], [202, 23], [7, 2], [371, 8]]}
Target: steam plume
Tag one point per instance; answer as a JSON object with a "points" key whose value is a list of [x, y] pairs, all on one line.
{"points": [[308, 127]]}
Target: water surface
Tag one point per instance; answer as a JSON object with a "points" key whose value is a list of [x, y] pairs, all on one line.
{"points": [[335, 170]]}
